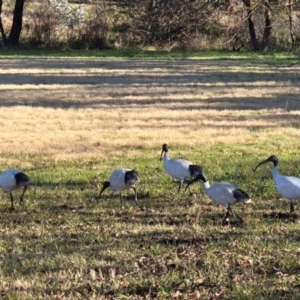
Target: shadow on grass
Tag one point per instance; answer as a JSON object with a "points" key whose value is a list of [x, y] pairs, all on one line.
{"points": [[70, 184], [71, 64], [187, 74], [281, 216], [218, 104]]}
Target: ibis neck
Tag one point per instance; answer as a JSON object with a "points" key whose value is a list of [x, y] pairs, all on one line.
{"points": [[166, 156], [206, 185], [275, 172]]}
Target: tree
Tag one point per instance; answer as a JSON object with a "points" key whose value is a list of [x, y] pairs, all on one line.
{"points": [[13, 39], [161, 22], [290, 11], [256, 45]]}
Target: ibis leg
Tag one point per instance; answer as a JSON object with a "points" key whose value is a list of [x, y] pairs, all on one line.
{"points": [[21, 198], [239, 219], [226, 216], [135, 198], [121, 198], [191, 194], [12, 201], [180, 186]]}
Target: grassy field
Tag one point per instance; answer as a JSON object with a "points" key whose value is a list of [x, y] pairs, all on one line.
{"points": [[69, 121]]}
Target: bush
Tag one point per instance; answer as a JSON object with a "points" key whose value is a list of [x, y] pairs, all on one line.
{"points": [[54, 23]]}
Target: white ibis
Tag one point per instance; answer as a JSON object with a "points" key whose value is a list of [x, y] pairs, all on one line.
{"points": [[14, 179], [287, 186], [122, 179], [180, 169], [223, 193]]}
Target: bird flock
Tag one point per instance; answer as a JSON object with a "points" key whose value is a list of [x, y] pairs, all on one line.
{"points": [[222, 193]]}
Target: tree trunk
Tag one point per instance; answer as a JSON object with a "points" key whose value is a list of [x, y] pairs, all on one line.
{"points": [[3, 35], [254, 41], [291, 23], [15, 32], [268, 26]]}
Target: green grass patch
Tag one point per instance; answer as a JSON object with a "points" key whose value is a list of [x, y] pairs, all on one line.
{"points": [[136, 53], [64, 243]]}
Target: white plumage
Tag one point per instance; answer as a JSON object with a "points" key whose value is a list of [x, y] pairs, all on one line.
{"points": [[13, 179], [223, 193], [122, 179], [287, 186], [180, 169]]}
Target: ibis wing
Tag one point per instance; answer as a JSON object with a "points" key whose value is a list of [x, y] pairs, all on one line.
{"points": [[8, 179], [116, 179], [178, 168], [240, 195], [288, 187], [123, 178], [195, 170], [226, 194], [21, 179], [131, 177]]}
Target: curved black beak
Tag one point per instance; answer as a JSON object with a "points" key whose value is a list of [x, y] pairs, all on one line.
{"points": [[162, 152], [272, 159], [106, 184], [199, 177]]}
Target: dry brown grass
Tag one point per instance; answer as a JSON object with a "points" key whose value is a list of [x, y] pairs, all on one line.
{"points": [[69, 108]]}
